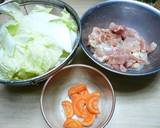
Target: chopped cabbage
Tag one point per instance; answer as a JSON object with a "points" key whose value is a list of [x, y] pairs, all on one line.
{"points": [[32, 44]]}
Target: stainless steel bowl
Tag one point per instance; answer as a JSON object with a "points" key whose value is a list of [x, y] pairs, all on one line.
{"points": [[56, 90], [140, 16], [58, 6]]}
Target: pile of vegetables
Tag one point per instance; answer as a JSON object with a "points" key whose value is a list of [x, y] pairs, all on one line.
{"points": [[82, 108], [33, 43]]}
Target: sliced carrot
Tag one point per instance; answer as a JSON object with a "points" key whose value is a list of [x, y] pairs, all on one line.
{"points": [[88, 118], [92, 103], [76, 89], [84, 93], [75, 97], [68, 109], [79, 106], [84, 105], [71, 123]]}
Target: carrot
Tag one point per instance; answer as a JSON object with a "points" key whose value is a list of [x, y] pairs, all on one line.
{"points": [[75, 97], [79, 106], [71, 123], [76, 89], [84, 93], [68, 109], [88, 118], [84, 105], [92, 103]]}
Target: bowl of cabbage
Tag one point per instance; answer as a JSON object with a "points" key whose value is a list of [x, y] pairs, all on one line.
{"points": [[37, 38]]}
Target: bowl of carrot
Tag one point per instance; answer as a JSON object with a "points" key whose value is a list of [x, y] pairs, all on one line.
{"points": [[78, 96]]}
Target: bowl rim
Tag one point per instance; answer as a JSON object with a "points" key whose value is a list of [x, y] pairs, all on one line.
{"points": [[84, 66], [44, 76], [82, 43]]}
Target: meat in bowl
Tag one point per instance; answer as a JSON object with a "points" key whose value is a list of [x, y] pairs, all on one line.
{"points": [[120, 47]]}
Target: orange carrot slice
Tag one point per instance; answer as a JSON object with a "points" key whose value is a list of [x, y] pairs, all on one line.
{"points": [[68, 109], [71, 123], [84, 94], [76, 89], [88, 118], [75, 97], [92, 103], [79, 106], [84, 105]]}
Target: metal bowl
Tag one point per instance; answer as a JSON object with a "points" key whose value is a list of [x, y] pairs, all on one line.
{"points": [[26, 6], [140, 16], [56, 90]]}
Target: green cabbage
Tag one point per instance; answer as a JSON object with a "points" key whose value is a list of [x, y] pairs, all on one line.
{"points": [[32, 44]]}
